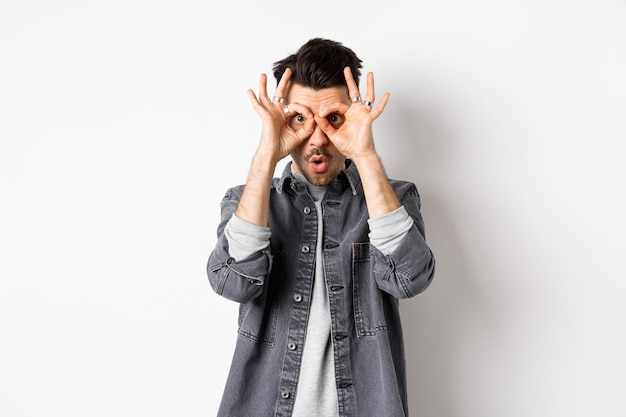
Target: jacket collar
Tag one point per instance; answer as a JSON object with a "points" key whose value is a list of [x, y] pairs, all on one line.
{"points": [[349, 176]]}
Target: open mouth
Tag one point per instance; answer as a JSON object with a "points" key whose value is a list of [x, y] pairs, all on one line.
{"points": [[318, 163]]}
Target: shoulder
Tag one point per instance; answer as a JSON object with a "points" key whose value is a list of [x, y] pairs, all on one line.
{"points": [[235, 192], [404, 188]]}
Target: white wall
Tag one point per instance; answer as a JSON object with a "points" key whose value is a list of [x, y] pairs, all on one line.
{"points": [[123, 122]]}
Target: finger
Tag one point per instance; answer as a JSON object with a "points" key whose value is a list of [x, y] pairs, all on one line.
{"points": [[306, 130], [263, 89], [281, 88], [297, 108], [377, 111], [353, 89], [369, 94], [325, 125], [339, 108], [258, 107]]}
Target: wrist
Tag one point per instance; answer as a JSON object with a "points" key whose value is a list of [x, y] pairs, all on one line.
{"points": [[367, 159], [263, 162]]}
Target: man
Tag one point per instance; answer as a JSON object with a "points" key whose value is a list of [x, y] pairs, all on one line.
{"points": [[319, 257]]}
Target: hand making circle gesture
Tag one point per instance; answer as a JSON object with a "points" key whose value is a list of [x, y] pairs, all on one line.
{"points": [[354, 137], [278, 138]]}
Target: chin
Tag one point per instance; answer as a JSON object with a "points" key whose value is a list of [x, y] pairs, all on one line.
{"points": [[320, 183]]}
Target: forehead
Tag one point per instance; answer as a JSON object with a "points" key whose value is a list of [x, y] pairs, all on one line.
{"points": [[315, 98]]}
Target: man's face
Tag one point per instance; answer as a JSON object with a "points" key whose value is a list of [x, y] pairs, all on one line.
{"points": [[316, 157]]}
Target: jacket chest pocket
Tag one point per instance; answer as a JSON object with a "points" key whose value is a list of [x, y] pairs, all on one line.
{"points": [[369, 316], [258, 318]]}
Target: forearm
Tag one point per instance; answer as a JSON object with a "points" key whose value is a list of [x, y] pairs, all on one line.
{"points": [[254, 204], [379, 195]]}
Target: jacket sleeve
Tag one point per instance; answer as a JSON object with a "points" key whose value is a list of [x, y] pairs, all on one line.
{"points": [[410, 268], [237, 280]]}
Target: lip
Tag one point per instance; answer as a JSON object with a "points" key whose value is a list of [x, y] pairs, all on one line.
{"points": [[318, 163]]}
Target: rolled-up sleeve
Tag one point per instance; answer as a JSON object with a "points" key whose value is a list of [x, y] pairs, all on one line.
{"points": [[238, 273], [386, 232], [407, 267]]}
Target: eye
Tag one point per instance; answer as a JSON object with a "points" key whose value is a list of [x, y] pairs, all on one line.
{"points": [[335, 119], [296, 120]]}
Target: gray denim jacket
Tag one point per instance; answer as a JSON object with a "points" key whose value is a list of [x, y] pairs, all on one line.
{"points": [[274, 287]]}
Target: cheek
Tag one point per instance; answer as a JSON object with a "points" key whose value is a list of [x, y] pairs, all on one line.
{"points": [[296, 153]]}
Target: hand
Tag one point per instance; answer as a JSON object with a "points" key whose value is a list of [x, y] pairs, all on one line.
{"points": [[278, 139], [354, 137]]}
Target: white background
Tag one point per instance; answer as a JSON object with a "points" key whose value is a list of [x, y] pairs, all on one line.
{"points": [[122, 123]]}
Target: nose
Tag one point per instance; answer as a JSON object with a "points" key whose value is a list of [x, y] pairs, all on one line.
{"points": [[318, 138]]}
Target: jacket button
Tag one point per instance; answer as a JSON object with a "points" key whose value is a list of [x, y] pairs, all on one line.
{"points": [[284, 394], [305, 249], [291, 346], [307, 210], [297, 298]]}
